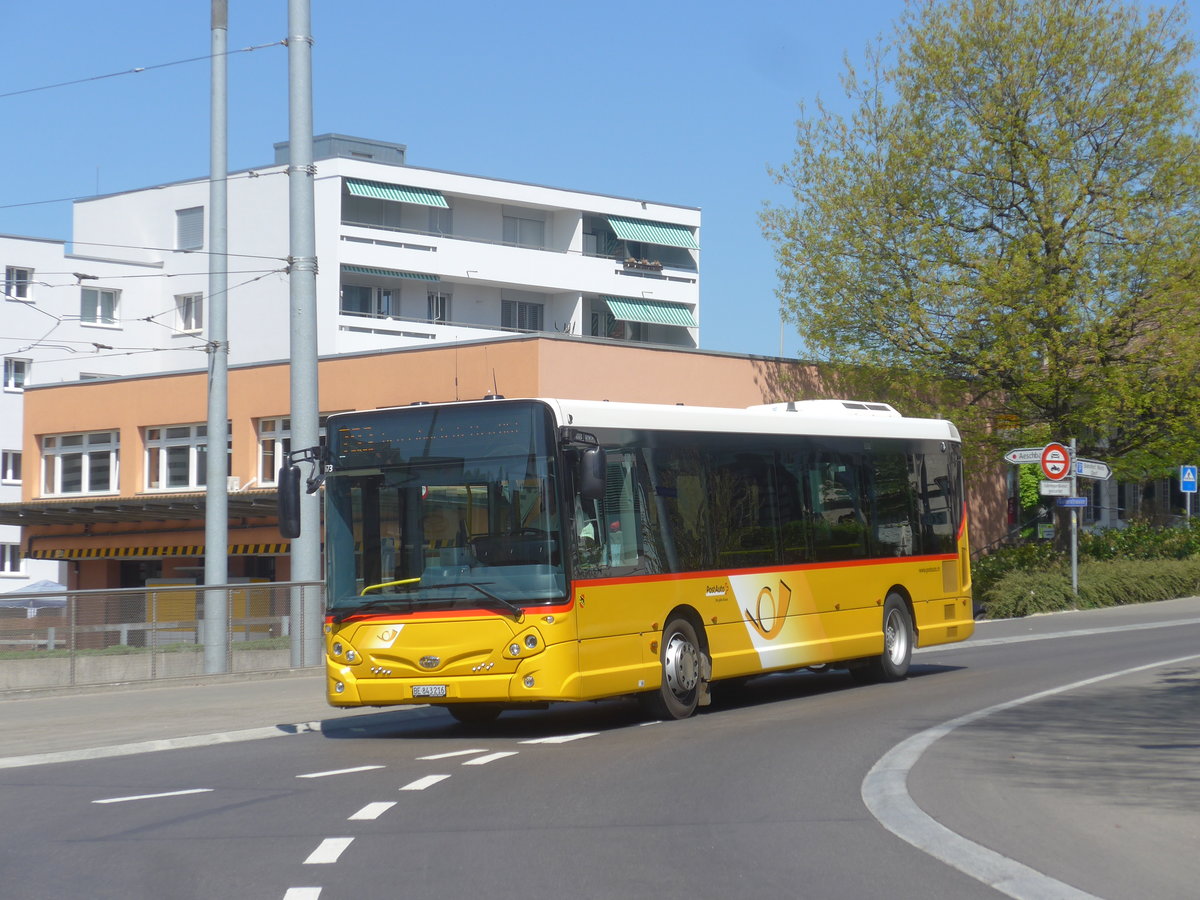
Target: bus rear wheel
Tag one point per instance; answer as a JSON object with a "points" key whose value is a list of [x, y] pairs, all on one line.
{"points": [[682, 669], [898, 640]]}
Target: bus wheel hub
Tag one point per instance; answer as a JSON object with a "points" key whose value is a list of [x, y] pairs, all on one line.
{"points": [[681, 665]]}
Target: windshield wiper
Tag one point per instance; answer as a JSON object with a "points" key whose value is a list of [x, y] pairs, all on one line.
{"points": [[515, 611]]}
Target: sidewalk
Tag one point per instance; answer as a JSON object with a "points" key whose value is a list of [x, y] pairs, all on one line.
{"points": [[227, 706]]}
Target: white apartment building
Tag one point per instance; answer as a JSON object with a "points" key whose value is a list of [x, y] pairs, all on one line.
{"points": [[406, 257]]}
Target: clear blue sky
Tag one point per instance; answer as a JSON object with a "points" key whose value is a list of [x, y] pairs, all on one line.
{"points": [[684, 103]]}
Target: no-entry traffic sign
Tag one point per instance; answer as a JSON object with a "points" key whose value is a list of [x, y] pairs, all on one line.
{"points": [[1056, 461]]}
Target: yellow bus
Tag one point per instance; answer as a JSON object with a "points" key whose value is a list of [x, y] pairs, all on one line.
{"points": [[502, 554]]}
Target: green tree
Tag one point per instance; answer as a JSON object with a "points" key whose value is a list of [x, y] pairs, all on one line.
{"points": [[1010, 208]]}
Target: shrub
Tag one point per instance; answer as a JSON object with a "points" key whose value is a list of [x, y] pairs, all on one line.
{"points": [[1102, 583]]}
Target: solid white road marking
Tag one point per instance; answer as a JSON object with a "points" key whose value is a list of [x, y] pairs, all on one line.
{"points": [[885, 793], [1023, 638], [421, 783], [328, 851], [563, 738], [453, 753], [340, 771], [491, 757], [302, 893], [371, 811], [155, 796]]}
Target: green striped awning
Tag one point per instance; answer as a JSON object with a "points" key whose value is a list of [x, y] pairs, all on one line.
{"points": [[397, 192], [388, 273], [652, 312], [653, 232]]}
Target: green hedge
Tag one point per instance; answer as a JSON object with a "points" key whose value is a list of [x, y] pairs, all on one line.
{"points": [[1102, 583]]}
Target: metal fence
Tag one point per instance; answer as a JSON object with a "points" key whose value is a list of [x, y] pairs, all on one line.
{"points": [[140, 634]]}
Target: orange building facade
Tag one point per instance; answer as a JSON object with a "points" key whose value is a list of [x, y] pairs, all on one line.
{"points": [[115, 475]]}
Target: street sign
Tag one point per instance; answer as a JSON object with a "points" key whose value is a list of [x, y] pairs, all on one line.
{"points": [[1092, 468], [1024, 455], [1072, 501], [1055, 488], [1056, 461], [1187, 479]]}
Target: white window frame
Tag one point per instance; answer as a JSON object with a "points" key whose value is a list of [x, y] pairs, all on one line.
{"points": [[524, 231], [189, 228], [11, 560], [98, 317], [274, 443], [384, 303], [17, 282], [84, 450], [16, 374], [189, 313], [516, 314], [10, 466], [437, 306], [171, 449]]}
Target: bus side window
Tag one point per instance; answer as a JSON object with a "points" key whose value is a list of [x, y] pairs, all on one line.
{"points": [[794, 514], [839, 521]]}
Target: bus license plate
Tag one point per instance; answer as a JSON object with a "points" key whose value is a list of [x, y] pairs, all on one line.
{"points": [[429, 690]]}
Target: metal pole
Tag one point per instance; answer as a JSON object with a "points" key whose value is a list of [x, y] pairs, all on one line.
{"points": [[1074, 526], [306, 549], [216, 519]]}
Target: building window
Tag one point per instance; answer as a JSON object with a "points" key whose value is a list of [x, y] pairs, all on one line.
{"points": [[438, 307], [16, 283], [11, 562], [189, 228], [361, 300], [440, 220], [10, 466], [520, 315], [99, 307], [524, 232], [16, 374], [177, 457], [274, 443], [606, 325], [189, 312], [84, 463]]}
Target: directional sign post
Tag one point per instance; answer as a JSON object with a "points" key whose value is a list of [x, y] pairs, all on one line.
{"points": [[1093, 468], [1187, 484], [1024, 455]]}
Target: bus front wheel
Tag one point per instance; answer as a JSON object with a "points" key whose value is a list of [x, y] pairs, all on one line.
{"points": [[682, 669], [898, 640]]}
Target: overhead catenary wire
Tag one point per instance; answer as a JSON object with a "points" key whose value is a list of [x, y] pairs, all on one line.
{"points": [[137, 70]]}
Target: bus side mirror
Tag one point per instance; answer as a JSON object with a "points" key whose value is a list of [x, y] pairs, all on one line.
{"points": [[289, 501], [593, 470]]}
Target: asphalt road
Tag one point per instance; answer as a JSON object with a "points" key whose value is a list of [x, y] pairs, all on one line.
{"points": [[1051, 756]]}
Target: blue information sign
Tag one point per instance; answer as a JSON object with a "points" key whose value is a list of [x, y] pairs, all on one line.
{"points": [[1187, 479], [1072, 501]]}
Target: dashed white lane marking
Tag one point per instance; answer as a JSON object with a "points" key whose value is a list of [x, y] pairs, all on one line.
{"points": [[339, 772], [155, 796], [421, 783], [491, 757], [453, 753], [563, 738], [885, 793], [371, 811], [328, 851], [303, 893]]}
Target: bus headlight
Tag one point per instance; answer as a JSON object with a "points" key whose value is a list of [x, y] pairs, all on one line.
{"points": [[527, 643], [514, 649], [531, 641]]}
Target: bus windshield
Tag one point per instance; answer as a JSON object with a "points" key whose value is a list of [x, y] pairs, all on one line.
{"points": [[443, 508]]}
